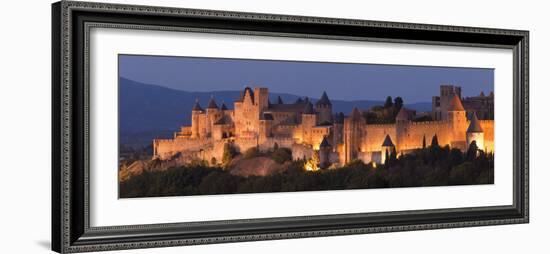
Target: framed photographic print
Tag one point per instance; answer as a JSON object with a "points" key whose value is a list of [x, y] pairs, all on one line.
{"points": [[181, 126]]}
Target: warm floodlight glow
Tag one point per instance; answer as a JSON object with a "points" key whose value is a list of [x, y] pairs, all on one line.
{"points": [[313, 163], [310, 166]]}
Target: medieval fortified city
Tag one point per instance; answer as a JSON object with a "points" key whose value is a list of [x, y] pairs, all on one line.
{"points": [[270, 145], [313, 130]]}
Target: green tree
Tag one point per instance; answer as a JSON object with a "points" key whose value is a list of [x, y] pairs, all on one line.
{"points": [[393, 155], [471, 154], [435, 143], [398, 103], [388, 103], [463, 174]]}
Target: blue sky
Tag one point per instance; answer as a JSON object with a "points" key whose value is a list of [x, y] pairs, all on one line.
{"points": [[343, 81]]}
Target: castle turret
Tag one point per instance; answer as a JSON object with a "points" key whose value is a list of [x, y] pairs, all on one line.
{"points": [[353, 133], [387, 148], [212, 106], [455, 111], [337, 130], [266, 124], [475, 133], [457, 122], [402, 125], [309, 120], [223, 107], [324, 153], [324, 109], [440, 104], [308, 116], [247, 96], [195, 113], [212, 113], [261, 98], [246, 115]]}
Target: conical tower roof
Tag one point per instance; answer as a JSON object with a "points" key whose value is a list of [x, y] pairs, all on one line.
{"points": [[324, 143], [197, 106], [212, 104], [279, 100], [324, 100], [455, 104], [309, 109], [387, 141], [474, 125], [223, 107]]}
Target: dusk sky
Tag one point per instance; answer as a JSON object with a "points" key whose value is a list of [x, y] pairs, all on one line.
{"points": [[340, 80]]}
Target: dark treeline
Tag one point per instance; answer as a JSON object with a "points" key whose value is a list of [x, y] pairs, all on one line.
{"points": [[432, 166]]}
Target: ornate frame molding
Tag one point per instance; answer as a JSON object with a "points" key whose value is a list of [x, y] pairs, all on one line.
{"points": [[71, 22]]}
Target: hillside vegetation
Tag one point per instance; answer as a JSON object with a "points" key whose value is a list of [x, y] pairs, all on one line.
{"points": [[432, 166]]}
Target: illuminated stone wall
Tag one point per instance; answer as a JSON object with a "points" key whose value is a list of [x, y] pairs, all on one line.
{"points": [[375, 134], [488, 127], [352, 139]]}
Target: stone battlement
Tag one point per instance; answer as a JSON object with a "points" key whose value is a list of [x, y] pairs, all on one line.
{"points": [[306, 129]]}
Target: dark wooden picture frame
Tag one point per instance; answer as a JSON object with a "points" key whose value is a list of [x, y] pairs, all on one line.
{"points": [[71, 231]]}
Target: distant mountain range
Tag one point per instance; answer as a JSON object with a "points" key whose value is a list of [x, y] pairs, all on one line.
{"points": [[148, 111]]}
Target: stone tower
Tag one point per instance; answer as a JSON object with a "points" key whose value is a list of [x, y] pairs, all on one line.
{"points": [[324, 153], [387, 148], [309, 120], [475, 133], [440, 104], [353, 132], [246, 115], [402, 125], [338, 129], [195, 119], [266, 123], [457, 122], [261, 98], [212, 113], [324, 109]]}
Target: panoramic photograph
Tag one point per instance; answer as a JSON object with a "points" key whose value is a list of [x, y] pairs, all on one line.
{"points": [[206, 126]]}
